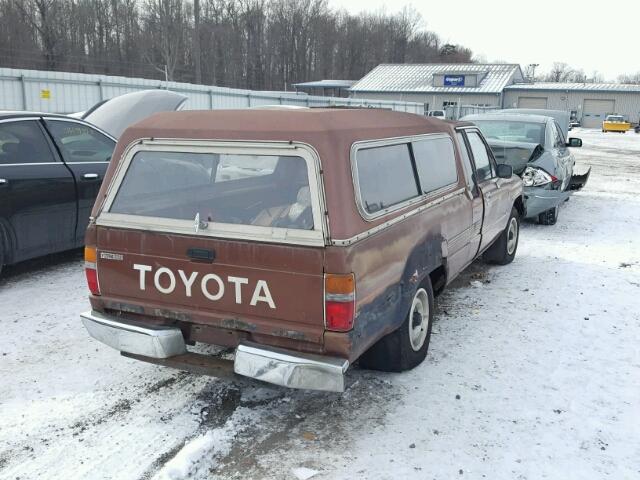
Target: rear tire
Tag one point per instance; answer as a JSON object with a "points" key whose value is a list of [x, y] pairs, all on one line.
{"points": [[406, 347], [2, 255], [549, 217], [503, 250]]}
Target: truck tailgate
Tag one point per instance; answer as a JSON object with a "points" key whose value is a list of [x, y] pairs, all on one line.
{"points": [[233, 284]]}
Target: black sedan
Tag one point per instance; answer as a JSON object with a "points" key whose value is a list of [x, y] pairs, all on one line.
{"points": [[51, 168]]}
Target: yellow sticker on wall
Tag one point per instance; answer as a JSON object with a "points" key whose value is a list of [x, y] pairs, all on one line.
{"points": [[46, 94]]}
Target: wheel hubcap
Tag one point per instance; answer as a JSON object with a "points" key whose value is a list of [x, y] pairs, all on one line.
{"points": [[512, 236], [419, 316]]}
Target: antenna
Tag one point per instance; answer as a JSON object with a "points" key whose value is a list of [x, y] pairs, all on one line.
{"points": [[531, 71]]}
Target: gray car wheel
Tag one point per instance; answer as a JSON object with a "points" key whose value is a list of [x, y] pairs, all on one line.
{"points": [[503, 250]]}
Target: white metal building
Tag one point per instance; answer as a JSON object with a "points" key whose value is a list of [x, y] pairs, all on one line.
{"points": [[439, 86], [588, 103], [442, 86]]}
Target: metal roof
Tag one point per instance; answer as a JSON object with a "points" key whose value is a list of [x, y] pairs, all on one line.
{"points": [[326, 84], [576, 87], [511, 117], [418, 78]]}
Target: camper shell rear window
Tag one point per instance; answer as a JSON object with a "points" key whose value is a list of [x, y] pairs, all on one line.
{"points": [[272, 194]]}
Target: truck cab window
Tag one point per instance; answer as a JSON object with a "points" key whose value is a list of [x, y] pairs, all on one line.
{"points": [[466, 162], [484, 169], [435, 163]]}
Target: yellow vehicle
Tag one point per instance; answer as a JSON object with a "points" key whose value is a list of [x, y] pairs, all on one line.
{"points": [[615, 123]]}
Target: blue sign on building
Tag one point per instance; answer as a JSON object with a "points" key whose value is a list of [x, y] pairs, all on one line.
{"points": [[454, 80]]}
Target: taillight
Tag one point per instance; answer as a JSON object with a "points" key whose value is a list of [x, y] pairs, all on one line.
{"points": [[339, 301], [91, 269]]}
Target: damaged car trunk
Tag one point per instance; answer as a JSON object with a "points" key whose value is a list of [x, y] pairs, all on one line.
{"points": [[536, 148]]}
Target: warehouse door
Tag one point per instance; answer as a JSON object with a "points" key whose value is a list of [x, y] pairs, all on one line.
{"points": [[595, 111], [532, 102]]}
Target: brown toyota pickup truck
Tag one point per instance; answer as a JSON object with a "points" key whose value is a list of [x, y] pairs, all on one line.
{"points": [[303, 240]]}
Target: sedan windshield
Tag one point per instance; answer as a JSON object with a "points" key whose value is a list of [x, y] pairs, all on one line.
{"points": [[512, 131]]}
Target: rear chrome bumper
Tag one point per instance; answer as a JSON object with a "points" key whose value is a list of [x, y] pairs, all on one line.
{"points": [[269, 364], [159, 342], [291, 369]]}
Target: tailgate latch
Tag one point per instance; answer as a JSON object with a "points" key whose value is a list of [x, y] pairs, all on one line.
{"points": [[201, 254]]}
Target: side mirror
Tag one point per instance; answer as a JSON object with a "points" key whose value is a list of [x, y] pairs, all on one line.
{"points": [[574, 142], [504, 170]]}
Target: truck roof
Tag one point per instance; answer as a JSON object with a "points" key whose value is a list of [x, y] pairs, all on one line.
{"points": [[331, 132], [279, 124]]}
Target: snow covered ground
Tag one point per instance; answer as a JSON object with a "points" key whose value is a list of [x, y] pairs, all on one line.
{"points": [[533, 372]]}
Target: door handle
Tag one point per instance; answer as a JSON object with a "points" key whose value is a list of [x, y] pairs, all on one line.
{"points": [[90, 176]]}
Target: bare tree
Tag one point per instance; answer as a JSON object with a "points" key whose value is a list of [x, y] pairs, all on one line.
{"points": [[560, 72], [164, 34], [259, 44], [630, 78], [196, 41]]}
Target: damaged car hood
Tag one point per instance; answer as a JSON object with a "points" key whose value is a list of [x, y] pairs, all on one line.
{"points": [[516, 154]]}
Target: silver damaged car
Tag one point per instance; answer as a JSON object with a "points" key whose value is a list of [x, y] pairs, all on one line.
{"points": [[535, 146]]}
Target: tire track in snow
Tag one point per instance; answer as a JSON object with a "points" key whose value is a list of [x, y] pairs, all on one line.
{"points": [[216, 404], [269, 421], [131, 432]]}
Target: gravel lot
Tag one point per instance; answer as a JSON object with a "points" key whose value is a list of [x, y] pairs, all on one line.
{"points": [[533, 372]]}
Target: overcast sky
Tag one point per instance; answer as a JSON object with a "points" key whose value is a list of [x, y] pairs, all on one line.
{"points": [[537, 31]]}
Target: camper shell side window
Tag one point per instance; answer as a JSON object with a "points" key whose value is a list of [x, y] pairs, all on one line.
{"points": [[392, 174]]}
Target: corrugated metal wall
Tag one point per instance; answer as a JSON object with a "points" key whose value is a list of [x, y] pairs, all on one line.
{"points": [[456, 113], [435, 101], [627, 104], [63, 92]]}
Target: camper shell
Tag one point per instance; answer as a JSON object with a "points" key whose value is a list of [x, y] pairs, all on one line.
{"points": [[188, 242]]}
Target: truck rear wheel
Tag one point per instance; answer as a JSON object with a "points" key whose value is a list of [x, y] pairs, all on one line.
{"points": [[406, 347], [2, 256], [503, 250]]}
